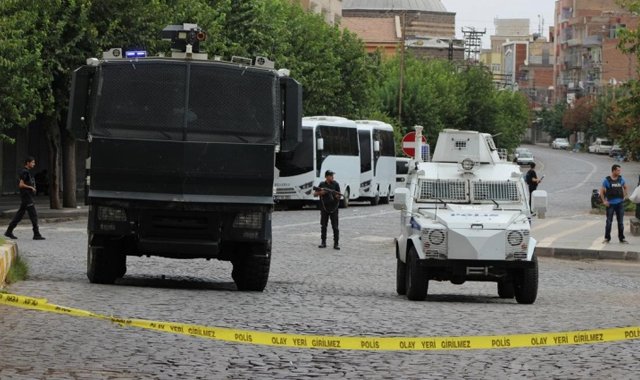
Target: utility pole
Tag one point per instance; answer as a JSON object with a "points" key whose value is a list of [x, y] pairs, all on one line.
{"points": [[402, 49]]}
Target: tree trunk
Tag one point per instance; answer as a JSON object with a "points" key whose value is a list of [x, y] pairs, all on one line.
{"points": [[53, 140], [69, 170]]}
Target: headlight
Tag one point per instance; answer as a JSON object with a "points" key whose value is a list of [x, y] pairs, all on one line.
{"points": [[517, 244], [307, 185], [112, 214], [515, 238], [468, 164], [434, 242], [248, 220]]}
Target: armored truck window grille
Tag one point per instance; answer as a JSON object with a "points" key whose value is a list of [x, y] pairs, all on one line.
{"points": [[505, 191], [461, 144], [231, 102], [448, 191], [149, 100], [491, 143], [140, 101]]}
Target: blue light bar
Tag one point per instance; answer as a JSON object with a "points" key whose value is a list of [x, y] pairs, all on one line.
{"points": [[136, 54]]}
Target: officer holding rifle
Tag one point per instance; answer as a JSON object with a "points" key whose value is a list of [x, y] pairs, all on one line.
{"points": [[329, 193]]}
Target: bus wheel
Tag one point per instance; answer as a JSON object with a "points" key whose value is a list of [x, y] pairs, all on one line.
{"points": [[375, 200], [344, 203], [385, 200]]}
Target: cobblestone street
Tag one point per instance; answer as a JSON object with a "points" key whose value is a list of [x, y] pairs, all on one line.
{"points": [[310, 291]]}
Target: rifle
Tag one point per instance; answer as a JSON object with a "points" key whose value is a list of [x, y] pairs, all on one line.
{"points": [[316, 188]]}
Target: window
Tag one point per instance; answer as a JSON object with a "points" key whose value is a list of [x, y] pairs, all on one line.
{"points": [[339, 141]]}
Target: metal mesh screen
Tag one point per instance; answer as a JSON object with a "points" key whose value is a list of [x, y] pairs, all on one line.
{"points": [[505, 191], [233, 101], [141, 100], [448, 191], [149, 100]]}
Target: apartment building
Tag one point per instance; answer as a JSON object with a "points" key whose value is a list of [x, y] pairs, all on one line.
{"points": [[425, 26], [586, 39], [331, 10]]}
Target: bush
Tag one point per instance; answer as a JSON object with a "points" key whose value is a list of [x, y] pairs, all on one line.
{"points": [[18, 271]]}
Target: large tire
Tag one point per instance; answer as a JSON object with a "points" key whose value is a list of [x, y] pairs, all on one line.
{"points": [[416, 278], [105, 264], [251, 272], [506, 289], [375, 200], [385, 200], [344, 203], [401, 278], [526, 284]]}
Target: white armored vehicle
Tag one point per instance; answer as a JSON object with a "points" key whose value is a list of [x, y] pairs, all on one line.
{"points": [[465, 216]]}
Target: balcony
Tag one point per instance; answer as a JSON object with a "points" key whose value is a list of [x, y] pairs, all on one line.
{"points": [[594, 40], [574, 42]]}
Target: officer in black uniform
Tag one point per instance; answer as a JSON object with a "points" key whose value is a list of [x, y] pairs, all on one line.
{"points": [[27, 187], [329, 193]]}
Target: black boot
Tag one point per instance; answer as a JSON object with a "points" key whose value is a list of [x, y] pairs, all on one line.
{"points": [[36, 233], [323, 244], [9, 234], [336, 246], [38, 237]]}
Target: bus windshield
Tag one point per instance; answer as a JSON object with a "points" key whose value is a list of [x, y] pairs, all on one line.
{"points": [[299, 161]]}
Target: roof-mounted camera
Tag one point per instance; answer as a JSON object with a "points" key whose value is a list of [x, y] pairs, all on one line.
{"points": [[185, 40]]}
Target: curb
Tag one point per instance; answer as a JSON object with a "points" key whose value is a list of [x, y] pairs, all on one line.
{"points": [[8, 253], [586, 254]]}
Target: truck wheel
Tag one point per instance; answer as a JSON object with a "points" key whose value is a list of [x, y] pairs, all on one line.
{"points": [[344, 203], [506, 289], [385, 200], [105, 264], [401, 278], [251, 273], [526, 284], [416, 279]]}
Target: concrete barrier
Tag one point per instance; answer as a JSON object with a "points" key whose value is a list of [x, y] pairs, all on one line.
{"points": [[8, 254]]}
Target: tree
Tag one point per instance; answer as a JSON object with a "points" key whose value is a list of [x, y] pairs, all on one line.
{"points": [[551, 120]]}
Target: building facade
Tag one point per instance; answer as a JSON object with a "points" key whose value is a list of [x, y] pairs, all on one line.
{"points": [[586, 39], [331, 10]]}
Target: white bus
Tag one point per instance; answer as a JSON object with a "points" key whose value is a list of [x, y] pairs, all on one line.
{"points": [[377, 161], [328, 143]]}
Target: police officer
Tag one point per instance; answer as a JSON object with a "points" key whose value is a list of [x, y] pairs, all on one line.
{"points": [[27, 187], [329, 193], [613, 192]]}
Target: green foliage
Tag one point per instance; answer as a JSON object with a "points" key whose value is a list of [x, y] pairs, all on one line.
{"points": [[18, 271], [551, 120], [439, 95]]}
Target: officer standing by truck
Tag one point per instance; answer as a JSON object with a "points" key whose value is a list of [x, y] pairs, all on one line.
{"points": [[329, 193]]}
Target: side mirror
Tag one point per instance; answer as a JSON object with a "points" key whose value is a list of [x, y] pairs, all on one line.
{"points": [[376, 146], [78, 101], [292, 132], [320, 144], [400, 198], [539, 203]]}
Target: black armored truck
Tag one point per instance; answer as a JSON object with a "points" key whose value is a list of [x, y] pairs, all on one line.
{"points": [[182, 154]]}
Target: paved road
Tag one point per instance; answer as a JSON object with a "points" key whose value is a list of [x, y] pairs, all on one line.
{"points": [[311, 291]]}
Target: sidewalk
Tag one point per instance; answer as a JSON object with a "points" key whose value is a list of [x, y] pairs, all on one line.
{"points": [[9, 205], [580, 237]]}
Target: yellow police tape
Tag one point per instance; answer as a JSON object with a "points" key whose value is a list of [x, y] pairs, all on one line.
{"points": [[340, 342]]}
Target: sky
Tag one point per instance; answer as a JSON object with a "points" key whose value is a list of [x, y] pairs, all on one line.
{"points": [[481, 13]]}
